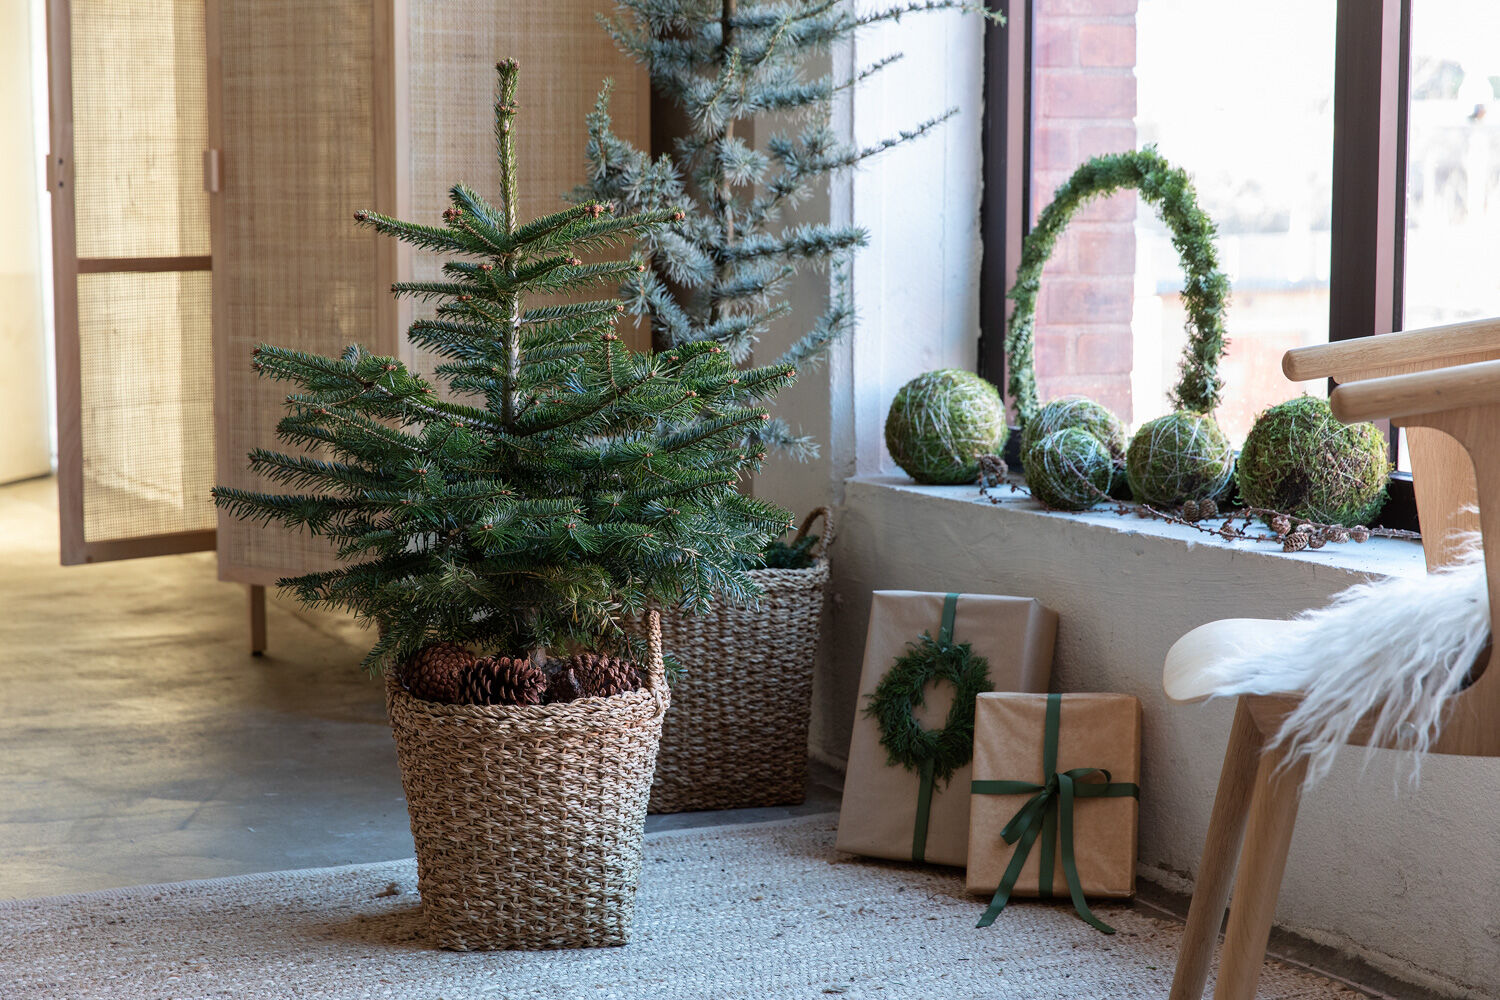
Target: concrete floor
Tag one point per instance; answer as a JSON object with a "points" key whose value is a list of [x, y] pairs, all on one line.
{"points": [[140, 742]]}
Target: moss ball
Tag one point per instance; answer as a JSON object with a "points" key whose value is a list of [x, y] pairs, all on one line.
{"points": [[1182, 456], [1069, 469], [941, 423], [1300, 460], [1075, 411]]}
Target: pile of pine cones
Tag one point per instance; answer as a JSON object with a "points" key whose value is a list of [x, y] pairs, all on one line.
{"points": [[449, 673]]}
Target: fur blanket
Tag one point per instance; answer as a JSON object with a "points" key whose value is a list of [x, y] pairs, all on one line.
{"points": [[1399, 647]]}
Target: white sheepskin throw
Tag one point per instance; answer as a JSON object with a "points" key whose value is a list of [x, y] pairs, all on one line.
{"points": [[1398, 648]]}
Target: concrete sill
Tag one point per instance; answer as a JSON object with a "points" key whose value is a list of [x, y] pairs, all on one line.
{"points": [[1378, 557]]}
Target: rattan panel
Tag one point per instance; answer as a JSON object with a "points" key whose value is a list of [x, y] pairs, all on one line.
{"points": [[290, 267], [140, 120], [147, 417], [565, 57]]}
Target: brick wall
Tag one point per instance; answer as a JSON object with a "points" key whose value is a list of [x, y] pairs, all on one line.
{"points": [[1084, 62]]}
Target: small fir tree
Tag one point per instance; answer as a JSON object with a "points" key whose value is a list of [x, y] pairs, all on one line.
{"points": [[562, 485], [721, 274]]}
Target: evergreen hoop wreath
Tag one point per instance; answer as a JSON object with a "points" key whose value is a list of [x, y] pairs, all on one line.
{"points": [[939, 752], [1205, 292]]}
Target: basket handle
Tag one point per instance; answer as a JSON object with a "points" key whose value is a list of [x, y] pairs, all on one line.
{"points": [[807, 523], [656, 668]]}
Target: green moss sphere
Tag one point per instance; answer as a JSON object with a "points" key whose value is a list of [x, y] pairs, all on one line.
{"points": [[1069, 469], [1300, 460], [1182, 456], [941, 423], [1075, 411]]}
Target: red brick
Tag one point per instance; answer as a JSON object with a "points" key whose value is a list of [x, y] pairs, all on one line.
{"points": [[1105, 353], [1074, 94], [1053, 43], [1112, 391], [1095, 140], [1106, 250], [1051, 351], [1106, 45], [1118, 207], [1044, 184], [1093, 7], [1102, 300], [1054, 148]]}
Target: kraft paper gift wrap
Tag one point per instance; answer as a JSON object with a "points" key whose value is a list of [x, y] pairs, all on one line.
{"points": [[879, 814], [1093, 733]]}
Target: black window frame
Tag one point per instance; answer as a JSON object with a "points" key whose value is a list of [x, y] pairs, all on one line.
{"points": [[1372, 73]]}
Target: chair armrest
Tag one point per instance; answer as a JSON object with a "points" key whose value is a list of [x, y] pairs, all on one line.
{"points": [[1397, 396], [1389, 353]]}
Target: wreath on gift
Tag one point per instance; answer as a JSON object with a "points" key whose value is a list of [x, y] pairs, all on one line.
{"points": [[906, 743], [1205, 291]]}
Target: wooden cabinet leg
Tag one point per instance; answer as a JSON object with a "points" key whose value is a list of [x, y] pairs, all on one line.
{"points": [[1273, 814], [1221, 849], [257, 619]]}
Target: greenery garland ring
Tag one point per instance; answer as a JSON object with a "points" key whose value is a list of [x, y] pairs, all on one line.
{"points": [[906, 743], [1205, 291]]}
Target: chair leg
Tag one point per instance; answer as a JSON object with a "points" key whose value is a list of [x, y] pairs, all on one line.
{"points": [[257, 619], [1221, 849], [1273, 814]]}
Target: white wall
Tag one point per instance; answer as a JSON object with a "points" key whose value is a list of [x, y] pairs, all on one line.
{"points": [[916, 286], [25, 444]]}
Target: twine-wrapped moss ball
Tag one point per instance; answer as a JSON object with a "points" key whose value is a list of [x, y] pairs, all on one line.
{"points": [[1075, 411], [1300, 460], [1182, 456], [940, 424], [1069, 469]]}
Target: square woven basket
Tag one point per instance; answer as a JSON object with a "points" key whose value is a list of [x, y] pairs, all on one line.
{"points": [[736, 734]]}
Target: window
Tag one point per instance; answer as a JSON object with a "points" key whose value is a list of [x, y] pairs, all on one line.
{"points": [[1259, 145], [1453, 163], [1390, 218]]}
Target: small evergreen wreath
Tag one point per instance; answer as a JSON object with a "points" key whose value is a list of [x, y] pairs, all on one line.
{"points": [[1205, 291], [906, 743]]}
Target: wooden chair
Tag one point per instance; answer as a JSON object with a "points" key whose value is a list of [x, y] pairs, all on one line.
{"points": [[1443, 385]]}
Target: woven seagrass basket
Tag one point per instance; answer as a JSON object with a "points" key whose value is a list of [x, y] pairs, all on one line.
{"points": [[736, 735], [528, 818]]}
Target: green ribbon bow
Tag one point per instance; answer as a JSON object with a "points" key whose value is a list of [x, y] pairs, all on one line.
{"points": [[924, 788], [1049, 814]]}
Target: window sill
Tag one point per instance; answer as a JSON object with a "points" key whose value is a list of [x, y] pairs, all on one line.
{"points": [[1379, 557]]}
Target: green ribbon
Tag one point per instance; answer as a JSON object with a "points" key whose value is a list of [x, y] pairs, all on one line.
{"points": [[1048, 814], [924, 788]]}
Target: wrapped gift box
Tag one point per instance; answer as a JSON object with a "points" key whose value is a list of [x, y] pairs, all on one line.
{"points": [[1055, 785], [880, 814]]}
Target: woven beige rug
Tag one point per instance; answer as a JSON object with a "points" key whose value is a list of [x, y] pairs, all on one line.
{"points": [[765, 912]]}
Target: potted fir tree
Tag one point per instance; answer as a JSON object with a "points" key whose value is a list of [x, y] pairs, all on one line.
{"points": [[737, 732], [560, 488]]}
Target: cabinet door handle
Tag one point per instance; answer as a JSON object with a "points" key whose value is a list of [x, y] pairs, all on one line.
{"points": [[211, 171]]}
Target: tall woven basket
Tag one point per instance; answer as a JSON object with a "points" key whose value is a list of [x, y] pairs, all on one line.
{"points": [[528, 819], [736, 735]]}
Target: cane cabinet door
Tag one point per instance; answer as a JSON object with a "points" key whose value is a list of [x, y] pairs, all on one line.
{"points": [[131, 265]]}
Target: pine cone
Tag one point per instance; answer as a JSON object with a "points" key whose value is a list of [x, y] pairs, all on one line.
{"points": [[1337, 533], [1190, 511], [1294, 542], [432, 673], [1316, 539], [1359, 533], [992, 470], [501, 680], [602, 676], [1208, 509], [1281, 524], [562, 685]]}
